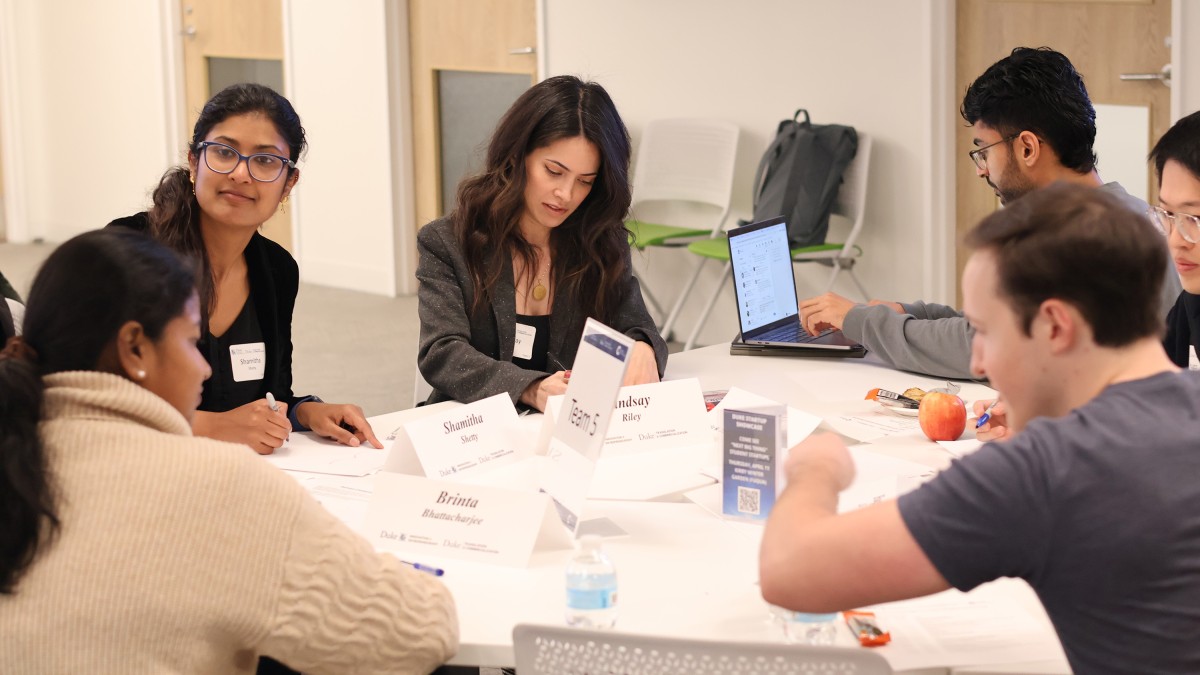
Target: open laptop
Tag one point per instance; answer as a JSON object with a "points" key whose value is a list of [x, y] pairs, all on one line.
{"points": [[765, 289]]}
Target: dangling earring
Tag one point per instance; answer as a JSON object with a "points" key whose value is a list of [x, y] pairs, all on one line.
{"points": [[192, 178], [283, 204]]}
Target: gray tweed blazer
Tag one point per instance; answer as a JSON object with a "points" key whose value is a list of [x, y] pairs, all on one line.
{"points": [[467, 357]]}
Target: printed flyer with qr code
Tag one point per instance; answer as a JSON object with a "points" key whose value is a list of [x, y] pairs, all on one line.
{"points": [[753, 457]]}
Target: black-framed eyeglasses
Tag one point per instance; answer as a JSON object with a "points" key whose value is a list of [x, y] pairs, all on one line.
{"points": [[264, 167], [979, 155], [1187, 224]]}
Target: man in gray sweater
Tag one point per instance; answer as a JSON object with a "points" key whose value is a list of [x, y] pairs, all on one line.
{"points": [[1032, 125]]}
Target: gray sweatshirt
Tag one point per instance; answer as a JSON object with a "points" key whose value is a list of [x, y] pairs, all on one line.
{"points": [[935, 339]]}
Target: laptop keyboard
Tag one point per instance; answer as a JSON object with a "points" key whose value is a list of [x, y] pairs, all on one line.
{"points": [[791, 333]]}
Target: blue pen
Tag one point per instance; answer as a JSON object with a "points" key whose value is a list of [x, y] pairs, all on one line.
{"points": [[435, 571], [987, 414]]}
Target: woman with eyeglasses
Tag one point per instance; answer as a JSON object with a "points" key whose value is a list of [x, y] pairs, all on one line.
{"points": [[130, 546], [241, 168], [535, 245], [1176, 159]]}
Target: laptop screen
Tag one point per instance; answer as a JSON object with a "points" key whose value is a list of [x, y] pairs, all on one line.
{"points": [[762, 273]]}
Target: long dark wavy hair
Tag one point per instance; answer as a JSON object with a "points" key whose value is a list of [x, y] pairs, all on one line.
{"points": [[85, 291], [175, 215], [589, 249]]}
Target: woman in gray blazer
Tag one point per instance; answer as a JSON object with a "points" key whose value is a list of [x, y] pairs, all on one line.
{"points": [[535, 245]]}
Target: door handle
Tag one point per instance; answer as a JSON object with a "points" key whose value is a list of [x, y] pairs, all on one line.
{"points": [[1163, 76], [522, 50]]}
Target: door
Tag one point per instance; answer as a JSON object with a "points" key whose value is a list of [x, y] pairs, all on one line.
{"points": [[230, 41], [470, 60], [1103, 39]]}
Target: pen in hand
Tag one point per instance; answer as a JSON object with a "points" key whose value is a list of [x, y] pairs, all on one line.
{"points": [[428, 569], [274, 406], [566, 370], [987, 414]]}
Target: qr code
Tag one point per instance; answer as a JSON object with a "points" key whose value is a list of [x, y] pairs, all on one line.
{"points": [[748, 500]]}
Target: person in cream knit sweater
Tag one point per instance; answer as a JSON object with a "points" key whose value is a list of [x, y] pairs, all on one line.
{"points": [[130, 546]]}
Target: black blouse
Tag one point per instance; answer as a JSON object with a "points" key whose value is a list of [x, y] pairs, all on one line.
{"points": [[222, 391], [541, 342]]}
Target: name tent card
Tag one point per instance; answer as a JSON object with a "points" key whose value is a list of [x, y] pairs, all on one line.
{"points": [[458, 440], [653, 416], [754, 453], [587, 409], [478, 522]]}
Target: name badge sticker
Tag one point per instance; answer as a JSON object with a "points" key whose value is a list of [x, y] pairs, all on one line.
{"points": [[249, 361], [523, 344]]}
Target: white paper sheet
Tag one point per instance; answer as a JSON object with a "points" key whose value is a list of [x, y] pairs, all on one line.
{"points": [[306, 451], [961, 448], [869, 421], [984, 627], [346, 497]]}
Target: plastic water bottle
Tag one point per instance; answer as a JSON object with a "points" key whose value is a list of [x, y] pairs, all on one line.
{"points": [[808, 629], [591, 586]]}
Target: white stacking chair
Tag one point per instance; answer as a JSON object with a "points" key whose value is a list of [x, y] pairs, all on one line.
{"points": [[850, 204], [682, 160], [421, 388], [557, 650]]}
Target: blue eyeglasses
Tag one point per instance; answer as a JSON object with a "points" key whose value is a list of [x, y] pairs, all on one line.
{"points": [[264, 167]]}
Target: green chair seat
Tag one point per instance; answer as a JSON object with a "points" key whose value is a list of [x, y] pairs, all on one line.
{"points": [[713, 249], [798, 253], [718, 249], [653, 234]]}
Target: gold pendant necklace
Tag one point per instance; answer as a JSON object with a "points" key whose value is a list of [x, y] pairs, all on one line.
{"points": [[539, 291]]}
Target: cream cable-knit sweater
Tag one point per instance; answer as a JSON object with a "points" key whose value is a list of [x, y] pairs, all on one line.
{"points": [[187, 555]]}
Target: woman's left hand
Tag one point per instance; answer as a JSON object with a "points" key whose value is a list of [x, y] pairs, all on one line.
{"points": [[343, 422], [643, 367]]}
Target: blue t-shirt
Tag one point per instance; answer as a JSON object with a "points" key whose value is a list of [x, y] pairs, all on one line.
{"points": [[1099, 512]]}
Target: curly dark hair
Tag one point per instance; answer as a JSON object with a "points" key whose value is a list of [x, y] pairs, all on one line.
{"points": [[590, 249], [1040, 91]]}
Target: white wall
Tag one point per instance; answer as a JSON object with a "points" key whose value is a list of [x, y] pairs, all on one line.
{"points": [[82, 122], [869, 64], [340, 78]]}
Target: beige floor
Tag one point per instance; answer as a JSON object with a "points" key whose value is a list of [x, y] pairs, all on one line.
{"points": [[349, 347]]}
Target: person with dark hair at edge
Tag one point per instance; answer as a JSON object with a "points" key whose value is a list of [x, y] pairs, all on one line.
{"points": [[1033, 125], [535, 245], [1093, 501], [1176, 159], [241, 167], [130, 545]]}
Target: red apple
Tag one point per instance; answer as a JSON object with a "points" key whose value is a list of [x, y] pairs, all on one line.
{"points": [[942, 416]]}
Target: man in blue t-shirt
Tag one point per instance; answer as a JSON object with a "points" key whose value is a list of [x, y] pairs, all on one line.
{"points": [[1093, 500]]}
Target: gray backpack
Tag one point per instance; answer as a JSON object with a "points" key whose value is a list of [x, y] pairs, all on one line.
{"points": [[800, 174]]}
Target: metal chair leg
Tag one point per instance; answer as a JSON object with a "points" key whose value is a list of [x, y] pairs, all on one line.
{"points": [[691, 341], [649, 298], [675, 309], [861, 289]]}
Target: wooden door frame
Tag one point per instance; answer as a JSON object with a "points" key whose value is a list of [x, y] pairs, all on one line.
{"points": [[400, 101]]}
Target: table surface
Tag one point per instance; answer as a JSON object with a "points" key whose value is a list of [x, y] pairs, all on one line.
{"points": [[684, 572]]}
